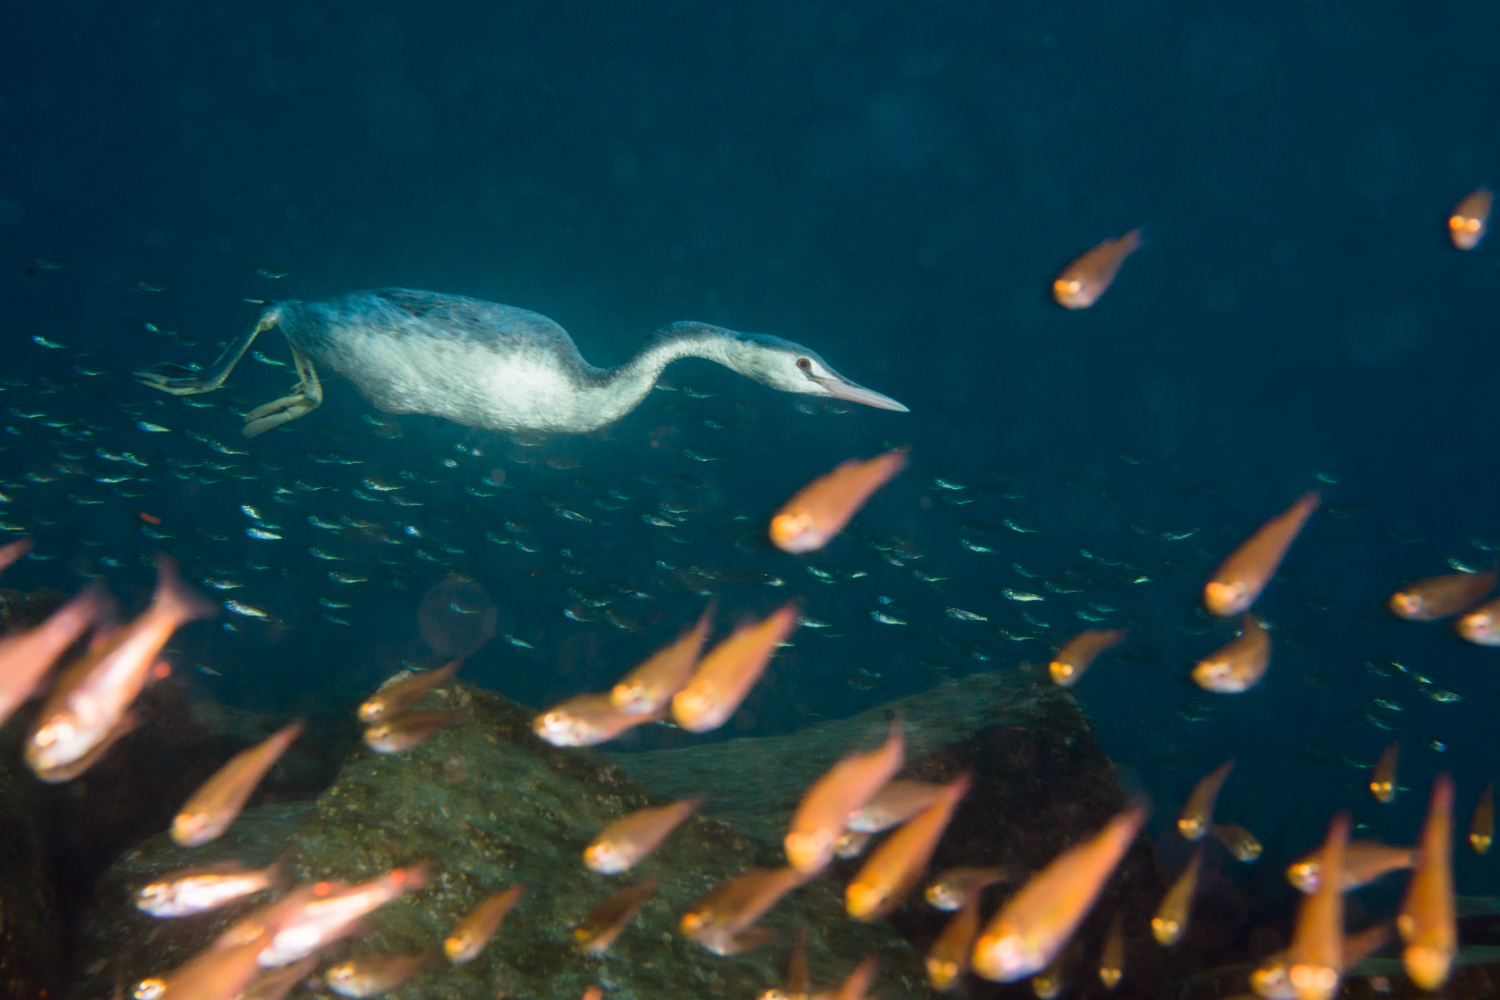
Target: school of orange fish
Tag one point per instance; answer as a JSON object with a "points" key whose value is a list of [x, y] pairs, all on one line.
{"points": [[265, 954]]}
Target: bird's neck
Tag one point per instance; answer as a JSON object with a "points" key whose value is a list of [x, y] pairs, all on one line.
{"points": [[628, 384]]}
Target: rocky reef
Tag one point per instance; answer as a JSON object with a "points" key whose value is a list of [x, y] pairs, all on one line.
{"points": [[487, 805]]}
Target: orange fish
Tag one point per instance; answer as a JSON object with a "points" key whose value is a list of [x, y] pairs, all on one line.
{"points": [[333, 912], [398, 695], [216, 803], [474, 931], [1239, 664], [273, 984], [1481, 626], [719, 918], [630, 838], [227, 966], [1272, 979], [1237, 840], [1383, 776], [948, 959], [1079, 652], [1240, 578], [1197, 813], [649, 688], [373, 974], [1364, 862], [1112, 959], [1441, 596], [198, 891], [896, 866], [25, 657], [729, 671], [609, 920], [13, 551], [1171, 919], [893, 805], [857, 986], [1083, 281], [824, 811], [819, 510], [1315, 959], [411, 729], [798, 977], [1035, 924], [1470, 219], [92, 696], [1482, 826], [1427, 919], [584, 721], [950, 890]]}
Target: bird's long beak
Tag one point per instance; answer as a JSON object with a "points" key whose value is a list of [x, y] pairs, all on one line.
{"points": [[842, 388]]}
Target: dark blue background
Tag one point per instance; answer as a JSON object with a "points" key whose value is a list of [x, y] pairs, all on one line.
{"points": [[894, 187]]}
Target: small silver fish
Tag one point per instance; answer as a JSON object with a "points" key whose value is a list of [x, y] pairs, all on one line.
{"points": [[959, 614], [151, 428], [262, 534], [1022, 595], [249, 611]]}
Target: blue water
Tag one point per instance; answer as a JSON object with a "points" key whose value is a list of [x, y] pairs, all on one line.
{"points": [[895, 188]]}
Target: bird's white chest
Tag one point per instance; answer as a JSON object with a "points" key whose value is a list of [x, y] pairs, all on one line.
{"points": [[471, 383]]}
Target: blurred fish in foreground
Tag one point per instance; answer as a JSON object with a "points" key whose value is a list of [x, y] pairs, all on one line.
{"points": [[649, 688], [727, 673], [896, 866], [948, 958], [87, 708], [1470, 219], [1171, 918], [1198, 812], [602, 928], [823, 814], [1036, 924], [1242, 576], [1088, 277], [1079, 652], [474, 931], [1440, 596], [630, 838], [214, 806], [1383, 776], [1239, 664], [1315, 960], [1428, 921], [954, 887], [819, 511], [26, 657], [373, 974], [1482, 826], [184, 893], [1364, 862], [721, 920], [401, 692]]}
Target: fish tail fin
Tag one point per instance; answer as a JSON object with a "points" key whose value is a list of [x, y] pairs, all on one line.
{"points": [[175, 597]]}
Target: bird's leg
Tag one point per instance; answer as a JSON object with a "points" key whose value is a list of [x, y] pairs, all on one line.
{"points": [[180, 381], [303, 399]]}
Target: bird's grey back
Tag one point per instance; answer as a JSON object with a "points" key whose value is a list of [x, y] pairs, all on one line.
{"points": [[409, 313]]}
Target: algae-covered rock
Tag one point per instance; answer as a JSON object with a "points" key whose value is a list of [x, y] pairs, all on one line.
{"points": [[1041, 782], [30, 932], [488, 805]]}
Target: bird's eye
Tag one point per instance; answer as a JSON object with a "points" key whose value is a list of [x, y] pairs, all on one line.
{"points": [[804, 364]]}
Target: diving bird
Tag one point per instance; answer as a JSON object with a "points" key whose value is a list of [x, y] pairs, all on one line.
{"points": [[488, 365]]}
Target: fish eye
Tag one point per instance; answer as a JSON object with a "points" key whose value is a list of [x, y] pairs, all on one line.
{"points": [[804, 364]]}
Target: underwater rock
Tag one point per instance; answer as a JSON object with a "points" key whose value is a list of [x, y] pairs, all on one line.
{"points": [[1041, 782], [487, 805], [31, 938]]}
